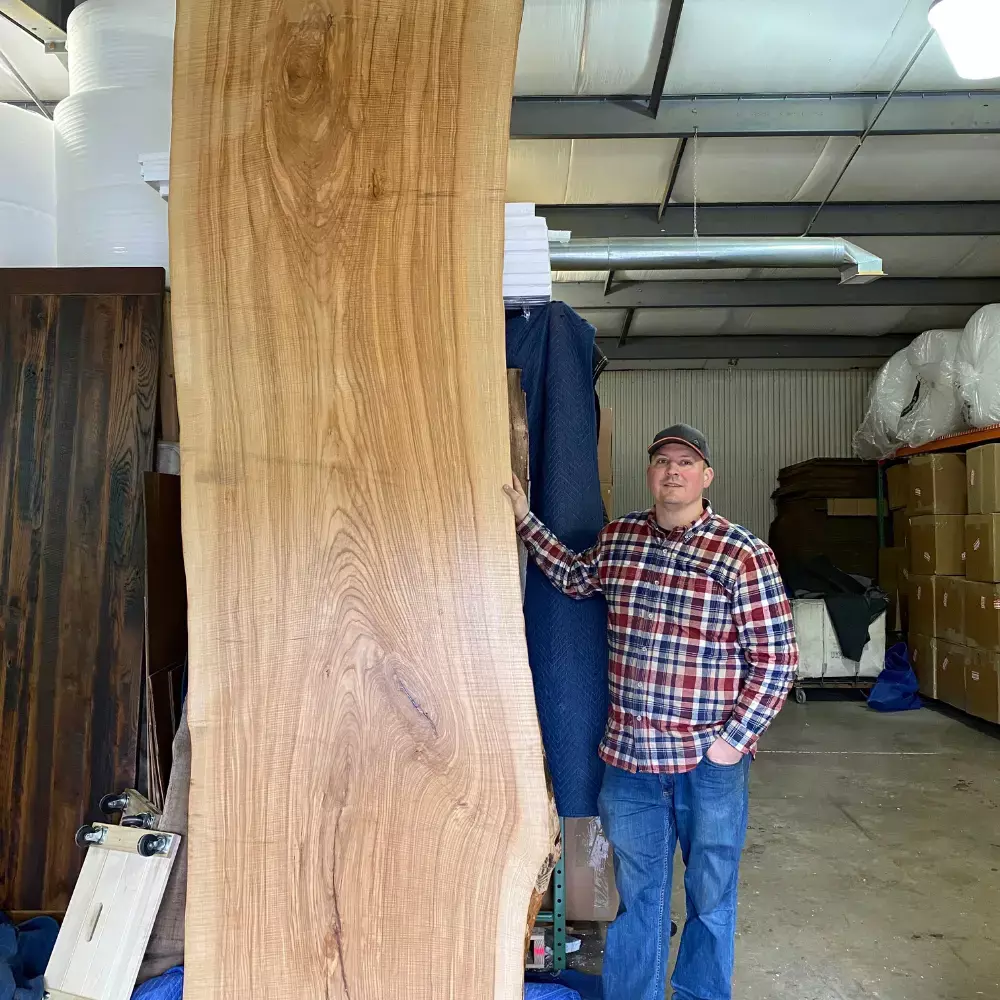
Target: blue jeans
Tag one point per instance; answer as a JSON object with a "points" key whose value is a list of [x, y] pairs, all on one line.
{"points": [[644, 816]]}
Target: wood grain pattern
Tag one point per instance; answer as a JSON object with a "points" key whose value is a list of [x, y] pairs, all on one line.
{"points": [[368, 806], [77, 397]]}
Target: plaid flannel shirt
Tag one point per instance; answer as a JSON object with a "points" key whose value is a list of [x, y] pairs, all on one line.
{"points": [[699, 630]]}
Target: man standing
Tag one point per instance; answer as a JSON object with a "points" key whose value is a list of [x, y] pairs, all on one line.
{"points": [[702, 655]]}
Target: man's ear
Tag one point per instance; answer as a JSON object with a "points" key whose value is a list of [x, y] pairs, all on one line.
{"points": [[709, 476]]}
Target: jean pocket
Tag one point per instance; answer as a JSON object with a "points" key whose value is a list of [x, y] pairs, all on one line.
{"points": [[721, 767]]}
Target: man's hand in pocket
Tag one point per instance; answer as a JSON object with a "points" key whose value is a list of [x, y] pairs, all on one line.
{"points": [[720, 752]]}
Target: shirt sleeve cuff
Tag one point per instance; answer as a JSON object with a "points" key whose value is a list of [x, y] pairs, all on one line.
{"points": [[528, 525], [738, 736]]}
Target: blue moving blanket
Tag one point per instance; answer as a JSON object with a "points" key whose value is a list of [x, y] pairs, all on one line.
{"points": [[567, 639]]}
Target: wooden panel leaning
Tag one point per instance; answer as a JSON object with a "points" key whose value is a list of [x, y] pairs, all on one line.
{"points": [[78, 372]]}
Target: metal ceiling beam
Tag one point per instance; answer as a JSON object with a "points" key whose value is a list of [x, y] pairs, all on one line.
{"points": [[42, 19], [930, 113], [626, 326], [934, 218], [49, 107], [666, 53], [777, 292], [721, 346]]}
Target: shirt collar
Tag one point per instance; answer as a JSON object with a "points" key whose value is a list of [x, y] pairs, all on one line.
{"points": [[681, 533]]}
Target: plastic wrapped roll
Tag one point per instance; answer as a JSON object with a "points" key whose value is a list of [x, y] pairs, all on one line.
{"points": [[937, 408], [891, 393], [121, 43], [27, 167], [101, 133], [120, 226], [27, 190], [27, 237], [978, 365]]}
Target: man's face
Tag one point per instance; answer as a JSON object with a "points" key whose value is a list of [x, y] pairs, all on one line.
{"points": [[677, 475]]}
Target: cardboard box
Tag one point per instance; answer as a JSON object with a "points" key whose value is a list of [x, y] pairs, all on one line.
{"points": [[923, 659], [844, 507], [893, 567], [937, 544], [937, 484], [893, 578], [923, 604], [982, 547], [898, 482], [982, 686], [590, 874], [950, 618], [901, 528], [952, 662], [982, 615], [983, 470]]}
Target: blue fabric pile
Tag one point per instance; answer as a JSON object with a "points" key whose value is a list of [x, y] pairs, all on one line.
{"points": [[24, 953], [567, 639], [576, 984], [549, 991], [895, 689], [169, 986]]}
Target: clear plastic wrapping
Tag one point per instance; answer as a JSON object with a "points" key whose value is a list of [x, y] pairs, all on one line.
{"points": [[978, 367], [891, 393], [937, 406]]}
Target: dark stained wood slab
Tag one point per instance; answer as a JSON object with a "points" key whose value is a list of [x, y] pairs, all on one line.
{"points": [[78, 377]]}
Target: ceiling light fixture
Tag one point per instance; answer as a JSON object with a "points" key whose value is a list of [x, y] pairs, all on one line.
{"points": [[970, 33]]}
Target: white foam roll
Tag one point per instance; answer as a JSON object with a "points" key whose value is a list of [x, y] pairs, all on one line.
{"points": [[27, 165], [121, 43], [100, 135], [978, 364], [120, 226], [27, 237]]}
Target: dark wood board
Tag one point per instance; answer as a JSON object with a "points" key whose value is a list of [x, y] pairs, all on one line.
{"points": [[77, 402], [166, 619]]}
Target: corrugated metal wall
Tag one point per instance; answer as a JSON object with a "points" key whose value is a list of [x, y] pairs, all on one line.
{"points": [[756, 423]]}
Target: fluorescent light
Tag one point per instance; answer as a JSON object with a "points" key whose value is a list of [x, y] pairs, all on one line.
{"points": [[970, 33]]}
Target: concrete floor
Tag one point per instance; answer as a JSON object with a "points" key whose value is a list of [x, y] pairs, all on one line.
{"points": [[872, 866]]}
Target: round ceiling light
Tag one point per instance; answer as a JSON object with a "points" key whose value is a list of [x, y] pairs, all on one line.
{"points": [[970, 33]]}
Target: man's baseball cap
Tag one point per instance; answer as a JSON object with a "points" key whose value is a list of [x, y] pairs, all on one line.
{"points": [[683, 434]]}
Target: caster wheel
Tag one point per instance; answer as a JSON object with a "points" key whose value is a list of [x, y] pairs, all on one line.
{"points": [[141, 821], [83, 834], [150, 845], [113, 803], [800, 696]]}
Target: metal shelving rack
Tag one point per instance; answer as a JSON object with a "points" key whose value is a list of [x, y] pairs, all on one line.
{"points": [[557, 915]]}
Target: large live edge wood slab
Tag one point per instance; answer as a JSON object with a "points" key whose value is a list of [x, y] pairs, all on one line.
{"points": [[368, 805]]}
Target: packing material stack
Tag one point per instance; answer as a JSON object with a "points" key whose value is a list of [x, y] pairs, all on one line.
{"points": [[946, 574]]}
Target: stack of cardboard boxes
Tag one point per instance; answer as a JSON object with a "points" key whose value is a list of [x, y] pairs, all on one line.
{"points": [[894, 560], [953, 586]]}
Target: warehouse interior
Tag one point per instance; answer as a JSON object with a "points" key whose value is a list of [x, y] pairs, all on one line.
{"points": [[777, 222]]}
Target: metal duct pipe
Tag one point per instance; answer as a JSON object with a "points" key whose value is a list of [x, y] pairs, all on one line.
{"points": [[856, 265]]}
